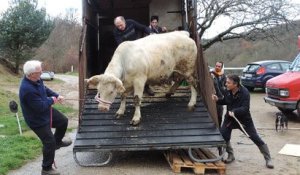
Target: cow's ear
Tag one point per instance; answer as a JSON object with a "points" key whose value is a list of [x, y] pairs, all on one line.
{"points": [[120, 87], [94, 80]]}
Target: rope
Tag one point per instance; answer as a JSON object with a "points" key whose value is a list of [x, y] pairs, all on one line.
{"points": [[54, 164], [240, 125]]}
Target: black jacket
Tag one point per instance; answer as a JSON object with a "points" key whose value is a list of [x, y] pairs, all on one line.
{"points": [[239, 104], [219, 83], [131, 31]]}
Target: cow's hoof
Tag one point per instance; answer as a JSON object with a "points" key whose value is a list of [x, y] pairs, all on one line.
{"points": [[134, 122], [168, 95], [119, 115], [191, 108]]}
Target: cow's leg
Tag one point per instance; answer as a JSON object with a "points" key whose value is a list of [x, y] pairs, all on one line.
{"points": [[173, 89], [177, 78], [193, 99], [138, 94], [137, 113], [122, 107]]}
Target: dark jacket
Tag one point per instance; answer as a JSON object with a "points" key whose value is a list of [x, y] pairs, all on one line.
{"points": [[239, 104], [154, 30], [35, 100], [131, 31], [219, 83]]}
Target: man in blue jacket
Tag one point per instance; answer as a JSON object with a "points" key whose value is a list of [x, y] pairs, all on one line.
{"points": [[237, 100], [36, 101]]}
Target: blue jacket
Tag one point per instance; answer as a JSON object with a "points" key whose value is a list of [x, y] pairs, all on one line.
{"points": [[35, 100], [131, 31]]}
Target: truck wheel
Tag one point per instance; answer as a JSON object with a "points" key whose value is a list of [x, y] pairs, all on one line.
{"points": [[287, 111], [298, 109]]}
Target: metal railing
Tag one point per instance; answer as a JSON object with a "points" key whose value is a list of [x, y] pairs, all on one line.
{"points": [[233, 70]]}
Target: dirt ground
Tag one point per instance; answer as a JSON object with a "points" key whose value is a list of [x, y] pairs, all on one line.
{"points": [[248, 158]]}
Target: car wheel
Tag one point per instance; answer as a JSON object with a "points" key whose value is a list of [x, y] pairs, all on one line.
{"points": [[288, 111], [251, 89]]}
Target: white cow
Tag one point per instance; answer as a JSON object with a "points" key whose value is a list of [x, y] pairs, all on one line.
{"points": [[150, 60]]}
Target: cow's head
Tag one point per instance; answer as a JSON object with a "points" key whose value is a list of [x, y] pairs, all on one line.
{"points": [[108, 86]]}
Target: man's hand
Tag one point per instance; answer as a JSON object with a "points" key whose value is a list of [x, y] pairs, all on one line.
{"points": [[214, 97], [55, 100], [60, 99], [231, 114]]}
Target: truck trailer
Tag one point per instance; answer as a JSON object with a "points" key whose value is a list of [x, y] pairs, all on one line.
{"points": [[166, 124]]}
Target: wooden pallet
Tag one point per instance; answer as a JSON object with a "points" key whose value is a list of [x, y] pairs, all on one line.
{"points": [[180, 159]]}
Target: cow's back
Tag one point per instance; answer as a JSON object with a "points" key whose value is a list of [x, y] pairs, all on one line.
{"points": [[158, 55]]}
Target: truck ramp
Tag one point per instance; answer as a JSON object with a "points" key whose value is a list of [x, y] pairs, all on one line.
{"points": [[165, 124]]}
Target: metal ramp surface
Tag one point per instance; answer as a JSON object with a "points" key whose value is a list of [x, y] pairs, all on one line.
{"points": [[165, 124]]}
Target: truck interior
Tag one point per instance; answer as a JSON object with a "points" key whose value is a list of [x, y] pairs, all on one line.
{"points": [[162, 127]]}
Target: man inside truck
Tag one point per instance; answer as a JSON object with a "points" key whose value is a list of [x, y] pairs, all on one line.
{"points": [[128, 30], [237, 100]]}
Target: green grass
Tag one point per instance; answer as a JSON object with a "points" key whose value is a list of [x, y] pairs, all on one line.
{"points": [[17, 150], [7, 118]]}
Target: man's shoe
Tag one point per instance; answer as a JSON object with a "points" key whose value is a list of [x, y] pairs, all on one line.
{"points": [[50, 172], [63, 144]]}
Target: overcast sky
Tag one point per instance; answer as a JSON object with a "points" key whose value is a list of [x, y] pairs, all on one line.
{"points": [[58, 8], [54, 7]]}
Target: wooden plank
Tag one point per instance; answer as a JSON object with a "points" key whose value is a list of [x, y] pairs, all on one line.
{"points": [[183, 161]]}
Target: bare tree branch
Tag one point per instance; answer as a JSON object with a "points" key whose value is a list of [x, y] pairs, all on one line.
{"points": [[248, 19]]}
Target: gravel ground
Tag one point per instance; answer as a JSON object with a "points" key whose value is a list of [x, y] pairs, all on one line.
{"points": [[248, 158]]}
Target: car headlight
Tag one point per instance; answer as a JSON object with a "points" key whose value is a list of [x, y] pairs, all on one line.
{"points": [[284, 93]]}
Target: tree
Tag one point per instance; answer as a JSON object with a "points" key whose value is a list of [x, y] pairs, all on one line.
{"points": [[248, 19], [23, 28]]}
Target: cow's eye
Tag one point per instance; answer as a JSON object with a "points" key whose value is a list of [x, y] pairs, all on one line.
{"points": [[111, 92]]}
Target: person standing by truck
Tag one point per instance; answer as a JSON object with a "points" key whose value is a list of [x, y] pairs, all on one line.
{"points": [[237, 100], [127, 30], [36, 101], [219, 83]]}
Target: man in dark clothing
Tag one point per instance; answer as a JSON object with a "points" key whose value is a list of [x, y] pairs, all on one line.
{"points": [[154, 28], [237, 99], [127, 30], [36, 101], [219, 83]]}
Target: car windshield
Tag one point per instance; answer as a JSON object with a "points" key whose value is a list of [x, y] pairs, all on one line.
{"points": [[295, 66]]}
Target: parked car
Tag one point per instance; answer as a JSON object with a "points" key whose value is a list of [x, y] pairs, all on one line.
{"points": [[47, 75], [283, 90], [256, 74]]}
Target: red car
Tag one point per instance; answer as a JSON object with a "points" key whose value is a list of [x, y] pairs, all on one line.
{"points": [[283, 91]]}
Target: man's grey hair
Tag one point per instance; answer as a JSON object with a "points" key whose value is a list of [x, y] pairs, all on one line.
{"points": [[119, 18], [31, 66]]}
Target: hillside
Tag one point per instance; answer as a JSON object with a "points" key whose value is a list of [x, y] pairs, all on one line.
{"points": [[239, 52], [60, 51]]}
